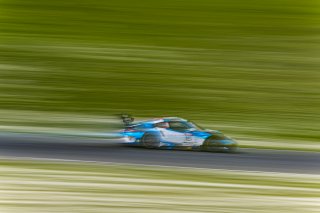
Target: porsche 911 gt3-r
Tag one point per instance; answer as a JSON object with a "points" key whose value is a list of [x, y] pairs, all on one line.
{"points": [[174, 133]]}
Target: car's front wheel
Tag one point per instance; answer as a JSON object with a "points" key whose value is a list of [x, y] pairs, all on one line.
{"points": [[233, 149], [150, 140], [211, 145]]}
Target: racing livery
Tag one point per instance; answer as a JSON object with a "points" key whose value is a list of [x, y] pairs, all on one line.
{"points": [[174, 133]]}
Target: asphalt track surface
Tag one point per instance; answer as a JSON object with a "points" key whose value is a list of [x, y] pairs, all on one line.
{"points": [[111, 151]]}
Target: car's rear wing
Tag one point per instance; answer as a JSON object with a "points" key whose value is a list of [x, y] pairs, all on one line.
{"points": [[127, 119]]}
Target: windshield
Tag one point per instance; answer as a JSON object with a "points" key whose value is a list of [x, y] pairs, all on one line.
{"points": [[194, 126]]}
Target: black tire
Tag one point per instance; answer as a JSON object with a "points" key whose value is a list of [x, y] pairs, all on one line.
{"points": [[206, 147], [150, 141], [233, 149]]}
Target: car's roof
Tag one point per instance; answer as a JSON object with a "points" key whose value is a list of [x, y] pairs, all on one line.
{"points": [[164, 119]]}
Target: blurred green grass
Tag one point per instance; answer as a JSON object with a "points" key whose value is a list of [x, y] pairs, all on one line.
{"points": [[44, 186], [250, 68]]}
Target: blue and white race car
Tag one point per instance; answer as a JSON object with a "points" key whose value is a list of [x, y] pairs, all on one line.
{"points": [[174, 133]]}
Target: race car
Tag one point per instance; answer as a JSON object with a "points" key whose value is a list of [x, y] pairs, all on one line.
{"points": [[174, 133]]}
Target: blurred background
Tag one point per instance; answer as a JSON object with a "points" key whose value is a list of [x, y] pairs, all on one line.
{"points": [[249, 68]]}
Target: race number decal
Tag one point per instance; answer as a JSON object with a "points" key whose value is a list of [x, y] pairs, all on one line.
{"points": [[188, 136]]}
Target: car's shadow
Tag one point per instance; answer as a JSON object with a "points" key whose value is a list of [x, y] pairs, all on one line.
{"points": [[239, 151]]}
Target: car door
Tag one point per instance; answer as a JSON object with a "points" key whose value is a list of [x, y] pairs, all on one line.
{"points": [[178, 132]]}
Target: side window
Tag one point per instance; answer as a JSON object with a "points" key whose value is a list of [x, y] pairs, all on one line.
{"points": [[162, 125], [177, 125]]}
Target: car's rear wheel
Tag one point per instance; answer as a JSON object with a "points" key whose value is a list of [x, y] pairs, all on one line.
{"points": [[150, 140]]}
